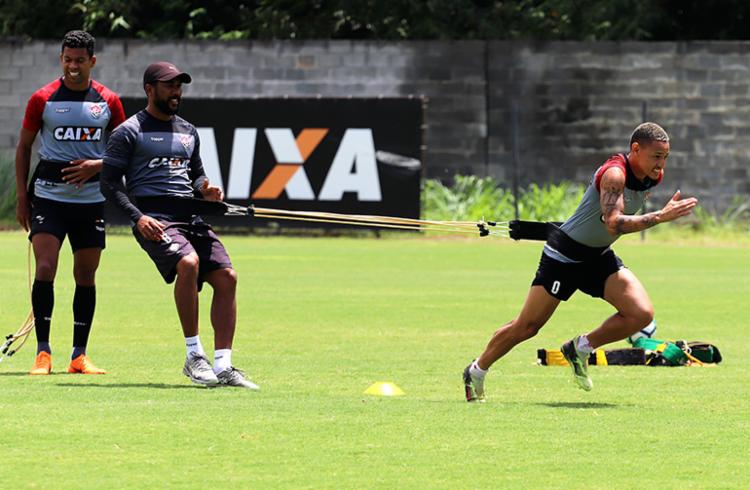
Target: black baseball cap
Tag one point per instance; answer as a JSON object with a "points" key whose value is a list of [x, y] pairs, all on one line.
{"points": [[163, 71]]}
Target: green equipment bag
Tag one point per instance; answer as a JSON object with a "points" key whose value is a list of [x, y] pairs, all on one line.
{"points": [[705, 352], [678, 353], [645, 351]]}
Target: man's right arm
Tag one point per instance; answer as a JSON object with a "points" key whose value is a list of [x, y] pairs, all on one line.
{"points": [[23, 164], [32, 123], [114, 190], [117, 157]]}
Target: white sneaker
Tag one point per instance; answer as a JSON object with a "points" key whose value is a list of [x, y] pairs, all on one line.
{"points": [[579, 365], [199, 370], [473, 386], [232, 376]]}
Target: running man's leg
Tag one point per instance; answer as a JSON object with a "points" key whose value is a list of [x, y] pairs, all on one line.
{"points": [[625, 292], [634, 311], [537, 310]]}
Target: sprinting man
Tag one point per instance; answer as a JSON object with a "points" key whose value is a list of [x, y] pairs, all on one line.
{"points": [[74, 115], [158, 153], [578, 256]]}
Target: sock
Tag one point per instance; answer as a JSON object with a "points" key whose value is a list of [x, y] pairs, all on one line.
{"points": [[42, 302], [476, 371], [222, 360], [84, 303], [194, 346], [583, 347], [43, 347]]}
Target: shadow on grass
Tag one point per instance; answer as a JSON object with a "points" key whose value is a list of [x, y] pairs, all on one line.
{"points": [[15, 373], [578, 405], [158, 386]]}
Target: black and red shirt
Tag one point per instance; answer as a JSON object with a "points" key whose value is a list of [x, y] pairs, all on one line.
{"points": [[73, 125]]}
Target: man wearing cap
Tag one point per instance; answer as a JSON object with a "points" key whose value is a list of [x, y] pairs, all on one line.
{"points": [[158, 153]]}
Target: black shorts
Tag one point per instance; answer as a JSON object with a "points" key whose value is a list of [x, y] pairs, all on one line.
{"points": [[183, 239], [82, 223], [561, 279]]}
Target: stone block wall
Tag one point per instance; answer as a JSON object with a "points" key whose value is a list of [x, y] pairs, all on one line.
{"points": [[574, 103]]}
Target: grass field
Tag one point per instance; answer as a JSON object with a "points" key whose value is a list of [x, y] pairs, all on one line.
{"points": [[322, 319]]}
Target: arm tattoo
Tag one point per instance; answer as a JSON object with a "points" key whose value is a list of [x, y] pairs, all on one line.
{"points": [[629, 224], [612, 202], [609, 199]]}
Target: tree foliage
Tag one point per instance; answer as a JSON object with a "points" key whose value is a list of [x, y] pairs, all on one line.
{"points": [[381, 19]]}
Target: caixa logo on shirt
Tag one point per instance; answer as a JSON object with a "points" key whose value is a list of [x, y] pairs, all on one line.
{"points": [[173, 163], [77, 133]]}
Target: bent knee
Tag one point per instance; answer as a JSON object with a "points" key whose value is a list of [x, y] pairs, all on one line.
{"points": [[230, 275], [525, 329], [188, 265], [640, 317], [646, 317], [224, 278]]}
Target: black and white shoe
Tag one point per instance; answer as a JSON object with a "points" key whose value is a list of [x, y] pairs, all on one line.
{"points": [[580, 366], [232, 376], [473, 386], [199, 370]]}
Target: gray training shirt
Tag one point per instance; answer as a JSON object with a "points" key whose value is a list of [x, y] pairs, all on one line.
{"points": [[586, 225]]}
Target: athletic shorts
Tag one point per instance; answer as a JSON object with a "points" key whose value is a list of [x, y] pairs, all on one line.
{"points": [[588, 270], [183, 239], [82, 223], [561, 279]]}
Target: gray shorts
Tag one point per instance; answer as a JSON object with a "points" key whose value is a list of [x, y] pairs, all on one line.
{"points": [[182, 240]]}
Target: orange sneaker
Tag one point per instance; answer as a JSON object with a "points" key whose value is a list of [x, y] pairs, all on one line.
{"points": [[42, 364], [83, 365]]}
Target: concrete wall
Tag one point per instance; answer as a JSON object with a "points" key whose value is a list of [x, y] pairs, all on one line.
{"points": [[576, 102]]}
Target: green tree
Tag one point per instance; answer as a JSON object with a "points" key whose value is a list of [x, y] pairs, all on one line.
{"points": [[382, 19]]}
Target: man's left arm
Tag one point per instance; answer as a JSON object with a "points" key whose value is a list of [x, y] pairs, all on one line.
{"points": [[613, 207], [198, 176], [81, 170]]}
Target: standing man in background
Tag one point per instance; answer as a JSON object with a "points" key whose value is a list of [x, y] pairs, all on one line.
{"points": [[158, 153], [74, 115]]}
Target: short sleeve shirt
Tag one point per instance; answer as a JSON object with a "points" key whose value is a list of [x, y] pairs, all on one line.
{"points": [[72, 125]]}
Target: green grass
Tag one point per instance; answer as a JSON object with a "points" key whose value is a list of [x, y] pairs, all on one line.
{"points": [[322, 319]]}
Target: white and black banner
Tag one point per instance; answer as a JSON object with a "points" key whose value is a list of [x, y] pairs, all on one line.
{"points": [[342, 155]]}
